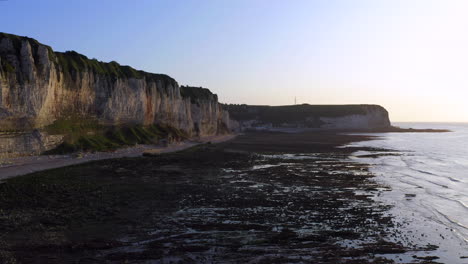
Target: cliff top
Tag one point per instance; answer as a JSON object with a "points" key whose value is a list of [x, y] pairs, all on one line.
{"points": [[17, 41], [197, 93], [72, 62]]}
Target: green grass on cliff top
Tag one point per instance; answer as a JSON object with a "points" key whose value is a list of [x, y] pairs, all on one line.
{"points": [[72, 63], [195, 93]]}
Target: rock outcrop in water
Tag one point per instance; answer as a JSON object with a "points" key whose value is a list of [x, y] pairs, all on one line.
{"points": [[314, 117], [39, 86]]}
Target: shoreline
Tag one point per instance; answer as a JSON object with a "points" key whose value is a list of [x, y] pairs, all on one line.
{"points": [[392, 129], [16, 166], [12, 167], [414, 180]]}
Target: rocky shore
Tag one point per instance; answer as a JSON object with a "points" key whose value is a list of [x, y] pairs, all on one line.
{"points": [[261, 198]]}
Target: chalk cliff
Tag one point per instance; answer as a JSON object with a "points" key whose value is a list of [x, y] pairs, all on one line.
{"points": [[39, 86], [313, 117]]}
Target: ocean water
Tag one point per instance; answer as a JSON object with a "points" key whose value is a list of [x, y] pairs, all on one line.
{"points": [[428, 177]]}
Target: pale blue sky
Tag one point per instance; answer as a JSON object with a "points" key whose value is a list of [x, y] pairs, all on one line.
{"points": [[409, 56]]}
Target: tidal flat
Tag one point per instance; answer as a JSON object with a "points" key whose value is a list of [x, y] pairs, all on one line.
{"points": [[260, 198]]}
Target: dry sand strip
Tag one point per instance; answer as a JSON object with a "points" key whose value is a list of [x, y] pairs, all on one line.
{"points": [[12, 167]]}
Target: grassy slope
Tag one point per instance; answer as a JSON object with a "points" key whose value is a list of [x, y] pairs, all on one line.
{"points": [[88, 135]]}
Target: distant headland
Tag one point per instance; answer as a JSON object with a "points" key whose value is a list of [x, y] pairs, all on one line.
{"points": [[305, 117]]}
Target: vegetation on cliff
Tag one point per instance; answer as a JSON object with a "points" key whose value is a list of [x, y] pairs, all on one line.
{"points": [[293, 113], [197, 93], [17, 42], [72, 63], [5, 66], [42, 86], [83, 134]]}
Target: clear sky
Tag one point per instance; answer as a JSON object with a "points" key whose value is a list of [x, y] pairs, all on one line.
{"points": [[410, 56]]}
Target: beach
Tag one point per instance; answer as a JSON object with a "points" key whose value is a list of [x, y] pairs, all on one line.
{"points": [[10, 167], [259, 198]]}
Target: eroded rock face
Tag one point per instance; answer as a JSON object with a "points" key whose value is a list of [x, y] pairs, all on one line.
{"points": [[374, 117], [312, 117], [39, 86], [28, 143]]}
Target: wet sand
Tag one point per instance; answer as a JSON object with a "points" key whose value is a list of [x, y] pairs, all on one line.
{"points": [[260, 198]]}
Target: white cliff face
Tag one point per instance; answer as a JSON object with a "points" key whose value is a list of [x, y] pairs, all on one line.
{"points": [[374, 118], [41, 90], [29, 143], [37, 88]]}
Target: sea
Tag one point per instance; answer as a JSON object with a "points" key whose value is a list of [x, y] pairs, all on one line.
{"points": [[427, 176]]}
